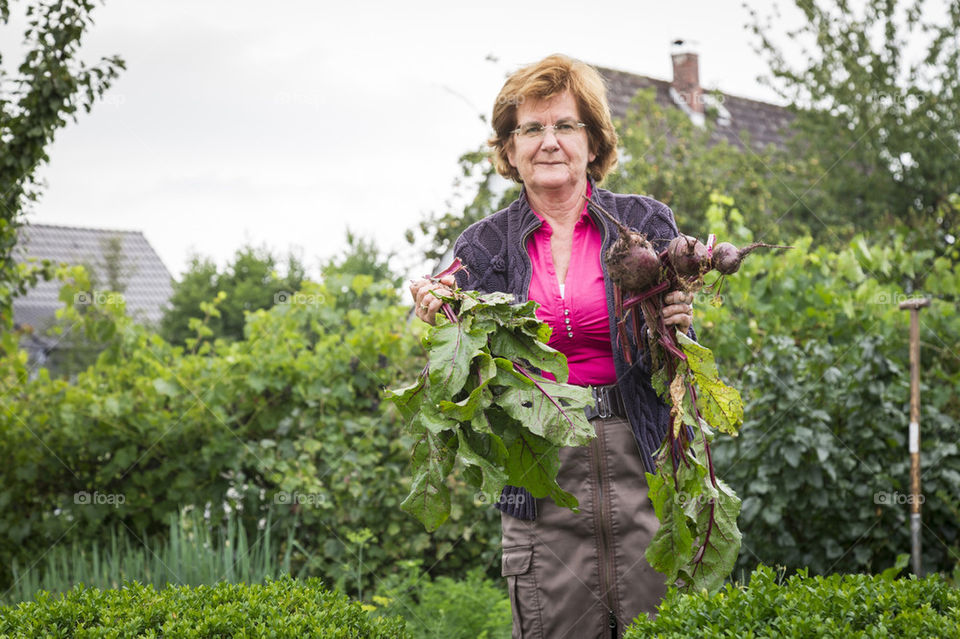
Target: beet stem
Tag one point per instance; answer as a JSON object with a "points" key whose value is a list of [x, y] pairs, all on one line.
{"points": [[454, 267], [448, 311], [623, 228], [650, 292], [706, 444]]}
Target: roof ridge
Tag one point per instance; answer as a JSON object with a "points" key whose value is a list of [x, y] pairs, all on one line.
{"points": [[705, 89], [79, 228], [741, 97], [636, 75]]}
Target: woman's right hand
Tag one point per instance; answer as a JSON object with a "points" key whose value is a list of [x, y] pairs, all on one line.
{"points": [[427, 304]]}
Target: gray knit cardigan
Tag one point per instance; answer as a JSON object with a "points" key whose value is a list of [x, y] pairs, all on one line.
{"points": [[494, 252]]}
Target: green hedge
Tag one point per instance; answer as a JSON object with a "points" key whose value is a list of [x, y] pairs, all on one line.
{"points": [[471, 607], [847, 606], [284, 608]]}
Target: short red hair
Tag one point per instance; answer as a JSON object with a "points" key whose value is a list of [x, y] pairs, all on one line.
{"points": [[542, 80]]}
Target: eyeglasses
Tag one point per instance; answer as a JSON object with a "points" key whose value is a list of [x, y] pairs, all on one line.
{"points": [[563, 128]]}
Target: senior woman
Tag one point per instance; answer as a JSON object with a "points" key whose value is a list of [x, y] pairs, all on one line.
{"points": [[577, 575]]}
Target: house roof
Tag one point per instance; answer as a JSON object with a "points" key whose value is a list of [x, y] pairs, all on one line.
{"points": [[147, 282], [764, 123]]}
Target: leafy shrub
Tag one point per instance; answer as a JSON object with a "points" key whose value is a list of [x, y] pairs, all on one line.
{"points": [[815, 342], [283, 608], [475, 607], [288, 420], [249, 282], [841, 606]]}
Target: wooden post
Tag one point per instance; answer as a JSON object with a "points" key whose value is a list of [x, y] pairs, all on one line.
{"points": [[914, 306]]}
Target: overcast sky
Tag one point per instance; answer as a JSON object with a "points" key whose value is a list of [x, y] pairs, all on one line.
{"points": [[284, 123]]}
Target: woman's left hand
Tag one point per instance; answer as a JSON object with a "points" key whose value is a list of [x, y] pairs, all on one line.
{"points": [[678, 310]]}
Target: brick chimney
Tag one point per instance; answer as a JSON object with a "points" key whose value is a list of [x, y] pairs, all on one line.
{"points": [[686, 78]]}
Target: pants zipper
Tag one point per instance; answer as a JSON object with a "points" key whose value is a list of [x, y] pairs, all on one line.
{"points": [[603, 548]]}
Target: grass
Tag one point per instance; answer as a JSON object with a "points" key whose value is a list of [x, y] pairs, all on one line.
{"points": [[193, 552]]}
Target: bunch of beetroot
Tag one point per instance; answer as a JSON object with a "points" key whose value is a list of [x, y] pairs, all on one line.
{"points": [[642, 276], [698, 540]]}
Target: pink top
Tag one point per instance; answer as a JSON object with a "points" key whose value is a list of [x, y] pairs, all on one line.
{"points": [[579, 319]]}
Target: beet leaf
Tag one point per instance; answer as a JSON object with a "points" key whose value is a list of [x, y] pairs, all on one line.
{"points": [[719, 404], [483, 400]]}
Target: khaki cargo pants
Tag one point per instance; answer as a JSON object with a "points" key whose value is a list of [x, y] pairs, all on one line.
{"points": [[584, 576]]}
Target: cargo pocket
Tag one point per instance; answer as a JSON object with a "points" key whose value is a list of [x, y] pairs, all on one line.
{"points": [[516, 567]]}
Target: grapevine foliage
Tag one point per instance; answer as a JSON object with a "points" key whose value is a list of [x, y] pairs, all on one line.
{"points": [[482, 399]]}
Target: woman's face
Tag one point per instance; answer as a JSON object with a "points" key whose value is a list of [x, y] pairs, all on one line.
{"points": [[549, 162]]}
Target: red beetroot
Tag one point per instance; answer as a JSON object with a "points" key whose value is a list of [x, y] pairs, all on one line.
{"points": [[726, 258], [688, 256], [633, 262]]}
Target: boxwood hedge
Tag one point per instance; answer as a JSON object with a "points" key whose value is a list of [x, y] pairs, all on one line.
{"points": [[282, 608], [843, 606]]}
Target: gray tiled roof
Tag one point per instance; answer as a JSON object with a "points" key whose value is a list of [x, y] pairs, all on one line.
{"points": [[765, 123], [147, 281]]}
